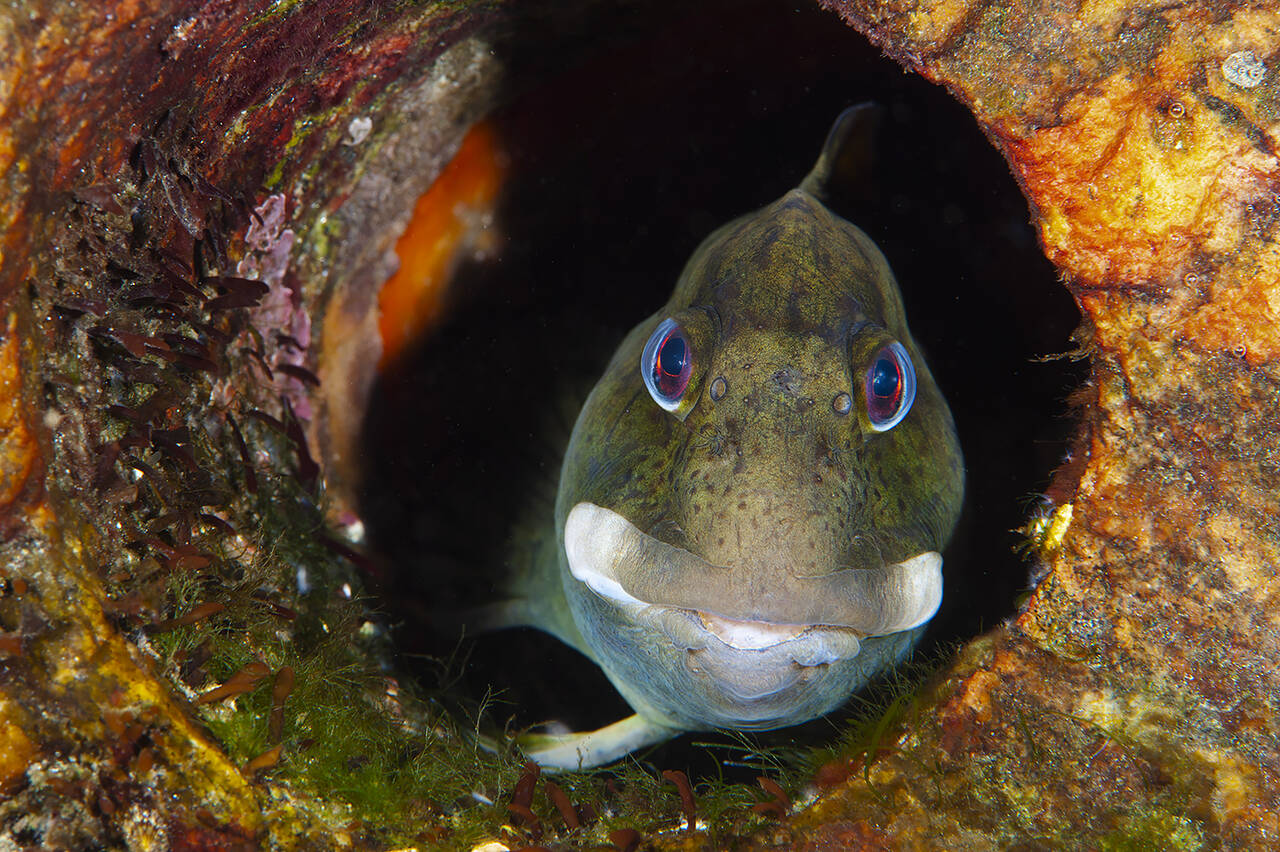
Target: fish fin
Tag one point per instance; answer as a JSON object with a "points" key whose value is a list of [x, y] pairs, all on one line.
{"points": [[534, 595], [583, 750], [511, 613], [490, 617], [848, 153]]}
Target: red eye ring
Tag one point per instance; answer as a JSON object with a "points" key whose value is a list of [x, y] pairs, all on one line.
{"points": [[667, 364], [889, 387]]}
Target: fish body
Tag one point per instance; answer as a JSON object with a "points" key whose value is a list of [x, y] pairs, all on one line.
{"points": [[755, 495]]}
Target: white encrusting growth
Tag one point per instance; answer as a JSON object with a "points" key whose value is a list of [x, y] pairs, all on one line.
{"points": [[1244, 69]]}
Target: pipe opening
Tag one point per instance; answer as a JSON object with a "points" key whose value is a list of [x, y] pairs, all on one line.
{"points": [[616, 169]]}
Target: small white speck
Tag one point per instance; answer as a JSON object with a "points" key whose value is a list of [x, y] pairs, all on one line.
{"points": [[1244, 69], [51, 419], [482, 799], [346, 590], [358, 130], [143, 644], [354, 532], [304, 581]]}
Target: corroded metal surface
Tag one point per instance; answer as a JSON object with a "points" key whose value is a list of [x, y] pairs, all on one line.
{"points": [[137, 143], [1131, 704], [1135, 701]]}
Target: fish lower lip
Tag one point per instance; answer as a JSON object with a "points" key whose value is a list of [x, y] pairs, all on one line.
{"points": [[749, 635], [751, 644]]}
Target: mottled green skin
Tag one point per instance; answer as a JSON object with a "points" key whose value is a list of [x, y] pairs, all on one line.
{"points": [[787, 305]]}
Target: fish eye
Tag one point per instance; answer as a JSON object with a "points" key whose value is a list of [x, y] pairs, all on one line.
{"points": [[890, 387], [667, 364]]}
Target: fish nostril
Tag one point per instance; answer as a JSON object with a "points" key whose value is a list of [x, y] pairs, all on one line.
{"points": [[789, 381]]}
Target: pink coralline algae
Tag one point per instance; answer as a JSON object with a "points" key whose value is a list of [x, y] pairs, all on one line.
{"points": [[280, 319]]}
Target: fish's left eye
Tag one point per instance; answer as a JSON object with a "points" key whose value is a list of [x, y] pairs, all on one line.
{"points": [[667, 364], [890, 387]]}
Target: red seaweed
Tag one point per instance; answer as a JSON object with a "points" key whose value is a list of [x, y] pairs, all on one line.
{"points": [[675, 776]]}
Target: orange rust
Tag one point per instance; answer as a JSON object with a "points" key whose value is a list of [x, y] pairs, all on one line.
{"points": [[1150, 160], [975, 696], [19, 451], [1151, 183], [939, 22], [116, 722], [1243, 314], [17, 751], [1134, 180], [449, 221]]}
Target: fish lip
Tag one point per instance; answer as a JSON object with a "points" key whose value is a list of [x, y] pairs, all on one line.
{"points": [[749, 635], [602, 549], [752, 644]]}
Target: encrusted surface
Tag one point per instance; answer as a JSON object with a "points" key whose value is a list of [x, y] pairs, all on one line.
{"points": [[1135, 701], [156, 486], [175, 627]]}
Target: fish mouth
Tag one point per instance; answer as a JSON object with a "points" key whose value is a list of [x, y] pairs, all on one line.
{"points": [[741, 609]]}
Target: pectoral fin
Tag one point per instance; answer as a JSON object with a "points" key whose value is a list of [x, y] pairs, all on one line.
{"points": [[550, 615], [533, 598], [569, 752]]}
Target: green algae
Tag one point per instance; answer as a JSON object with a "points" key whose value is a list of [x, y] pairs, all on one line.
{"points": [[1153, 829]]}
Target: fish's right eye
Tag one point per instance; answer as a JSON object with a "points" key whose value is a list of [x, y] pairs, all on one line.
{"points": [[889, 385], [667, 364]]}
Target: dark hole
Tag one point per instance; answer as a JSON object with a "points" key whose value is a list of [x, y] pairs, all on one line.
{"points": [[621, 165]]}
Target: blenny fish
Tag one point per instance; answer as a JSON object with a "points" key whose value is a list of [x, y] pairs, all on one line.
{"points": [[755, 495]]}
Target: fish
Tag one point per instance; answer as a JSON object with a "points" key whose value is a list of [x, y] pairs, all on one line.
{"points": [[756, 493]]}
